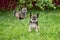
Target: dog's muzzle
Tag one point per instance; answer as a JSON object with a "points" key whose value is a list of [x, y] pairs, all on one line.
{"points": [[33, 20]]}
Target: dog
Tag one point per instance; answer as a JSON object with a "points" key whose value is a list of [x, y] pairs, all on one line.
{"points": [[21, 14], [33, 22]]}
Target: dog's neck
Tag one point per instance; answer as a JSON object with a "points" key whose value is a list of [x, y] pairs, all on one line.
{"points": [[33, 20], [36, 22]]}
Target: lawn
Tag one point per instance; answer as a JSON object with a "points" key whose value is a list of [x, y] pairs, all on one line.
{"points": [[13, 29]]}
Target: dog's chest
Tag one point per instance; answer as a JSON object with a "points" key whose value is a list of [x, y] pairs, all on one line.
{"points": [[33, 25]]}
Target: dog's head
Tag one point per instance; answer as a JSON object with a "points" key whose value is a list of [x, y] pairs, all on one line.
{"points": [[24, 9], [34, 18]]}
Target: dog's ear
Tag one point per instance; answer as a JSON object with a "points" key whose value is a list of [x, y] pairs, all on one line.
{"points": [[30, 14], [37, 14]]}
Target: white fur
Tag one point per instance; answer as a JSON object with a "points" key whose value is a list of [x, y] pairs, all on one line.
{"points": [[34, 20]]}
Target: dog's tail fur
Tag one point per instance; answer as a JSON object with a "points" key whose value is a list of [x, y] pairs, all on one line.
{"points": [[14, 12]]}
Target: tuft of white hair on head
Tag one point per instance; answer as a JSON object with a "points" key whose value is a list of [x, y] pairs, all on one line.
{"points": [[24, 10]]}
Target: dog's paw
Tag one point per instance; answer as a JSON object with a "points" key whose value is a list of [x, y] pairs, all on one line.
{"points": [[36, 30], [29, 30]]}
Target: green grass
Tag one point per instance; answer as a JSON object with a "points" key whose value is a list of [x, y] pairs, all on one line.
{"points": [[13, 29]]}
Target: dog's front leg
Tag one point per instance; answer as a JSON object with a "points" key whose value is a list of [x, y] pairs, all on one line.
{"points": [[36, 29], [29, 29]]}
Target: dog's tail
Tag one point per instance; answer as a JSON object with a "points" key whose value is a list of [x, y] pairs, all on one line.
{"points": [[14, 12]]}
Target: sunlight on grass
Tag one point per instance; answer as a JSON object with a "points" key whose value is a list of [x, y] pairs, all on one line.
{"points": [[13, 29]]}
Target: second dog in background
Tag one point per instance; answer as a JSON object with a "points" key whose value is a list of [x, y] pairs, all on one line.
{"points": [[21, 14]]}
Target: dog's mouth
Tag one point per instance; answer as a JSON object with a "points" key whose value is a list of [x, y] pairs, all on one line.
{"points": [[33, 19]]}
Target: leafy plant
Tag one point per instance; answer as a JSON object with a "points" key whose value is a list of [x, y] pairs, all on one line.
{"points": [[42, 4], [45, 3]]}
